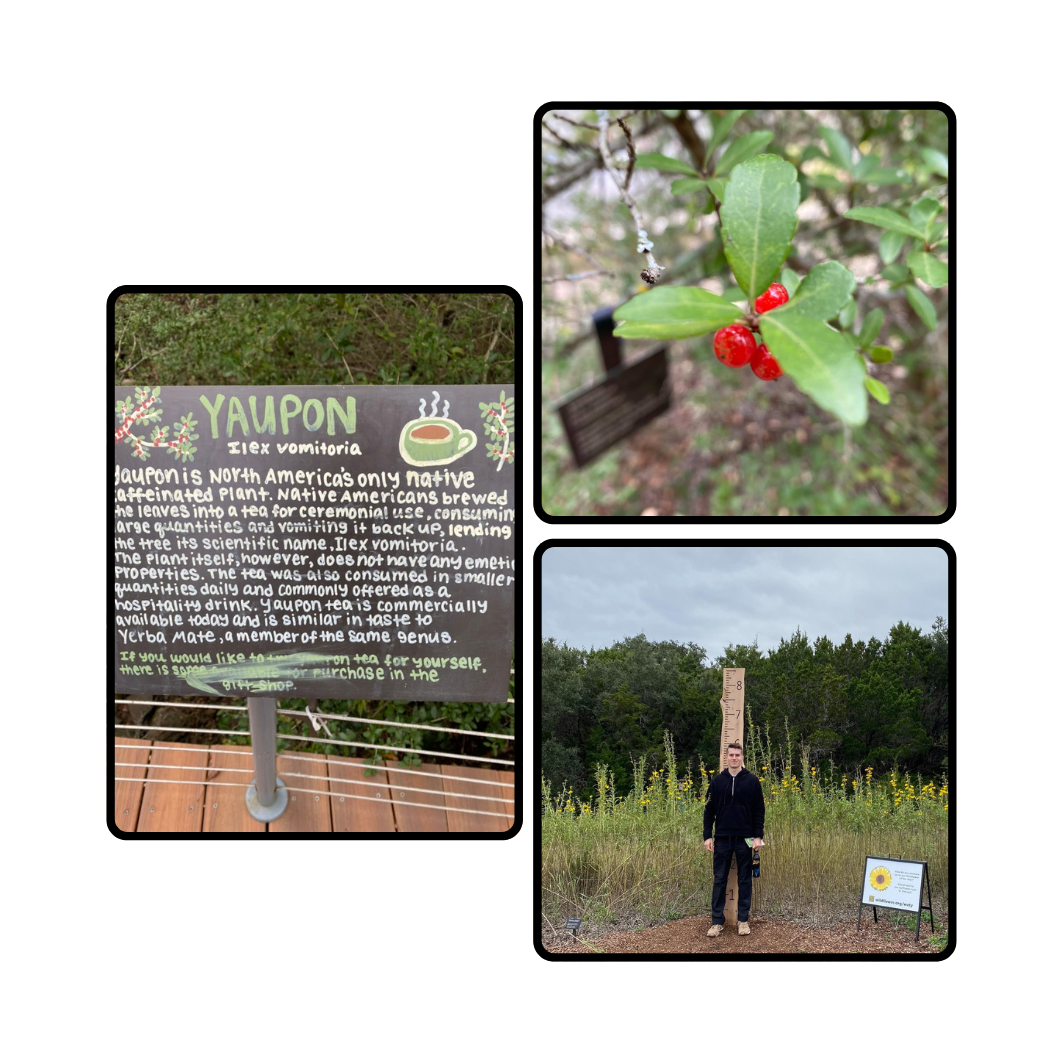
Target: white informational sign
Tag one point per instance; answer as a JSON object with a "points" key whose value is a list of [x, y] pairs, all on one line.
{"points": [[892, 883]]}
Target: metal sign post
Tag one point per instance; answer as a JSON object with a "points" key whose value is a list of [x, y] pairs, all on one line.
{"points": [[267, 796]]}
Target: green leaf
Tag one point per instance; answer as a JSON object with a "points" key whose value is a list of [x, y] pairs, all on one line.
{"points": [[885, 218], [847, 315], [896, 272], [889, 245], [885, 176], [718, 187], [720, 128], [865, 164], [741, 149], [682, 185], [936, 162], [839, 149], [928, 268], [877, 389], [923, 213], [881, 355], [821, 294], [672, 313], [653, 160], [871, 327], [789, 280], [733, 295], [820, 361], [922, 306], [759, 220], [827, 181]]}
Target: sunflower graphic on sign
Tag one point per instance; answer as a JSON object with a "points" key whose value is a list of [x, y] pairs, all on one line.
{"points": [[879, 878]]}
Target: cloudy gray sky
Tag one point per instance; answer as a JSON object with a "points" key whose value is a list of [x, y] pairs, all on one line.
{"points": [[716, 595]]}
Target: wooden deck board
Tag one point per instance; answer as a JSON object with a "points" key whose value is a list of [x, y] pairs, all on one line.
{"points": [[355, 813], [189, 804], [408, 817], [305, 812], [169, 807], [226, 809], [464, 813]]}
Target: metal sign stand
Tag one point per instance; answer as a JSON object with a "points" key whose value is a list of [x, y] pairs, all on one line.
{"points": [[923, 882], [609, 344], [267, 796]]}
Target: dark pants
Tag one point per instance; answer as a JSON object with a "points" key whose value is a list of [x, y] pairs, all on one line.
{"points": [[721, 867]]}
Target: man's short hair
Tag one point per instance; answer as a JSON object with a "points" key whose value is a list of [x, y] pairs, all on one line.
{"points": [[735, 745]]}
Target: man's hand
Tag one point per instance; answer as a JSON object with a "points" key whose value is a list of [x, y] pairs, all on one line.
{"points": [[708, 844], [758, 842]]}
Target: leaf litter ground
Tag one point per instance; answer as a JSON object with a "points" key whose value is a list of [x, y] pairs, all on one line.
{"points": [[769, 934]]}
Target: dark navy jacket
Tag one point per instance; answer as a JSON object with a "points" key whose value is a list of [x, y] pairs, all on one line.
{"points": [[735, 805]]}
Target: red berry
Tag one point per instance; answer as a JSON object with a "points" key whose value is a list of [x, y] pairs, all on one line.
{"points": [[775, 296], [764, 364], [734, 345]]}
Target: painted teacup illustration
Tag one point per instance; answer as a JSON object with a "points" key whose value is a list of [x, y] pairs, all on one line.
{"points": [[432, 440]]}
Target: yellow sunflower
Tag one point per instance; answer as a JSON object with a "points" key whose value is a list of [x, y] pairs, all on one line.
{"points": [[879, 878]]}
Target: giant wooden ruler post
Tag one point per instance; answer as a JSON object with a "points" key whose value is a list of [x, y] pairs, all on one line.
{"points": [[313, 542], [733, 730]]}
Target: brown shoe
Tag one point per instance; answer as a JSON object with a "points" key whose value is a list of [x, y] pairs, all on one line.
{"points": [[715, 930], [743, 928]]}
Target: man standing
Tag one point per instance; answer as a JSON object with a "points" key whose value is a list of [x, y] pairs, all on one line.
{"points": [[736, 806]]}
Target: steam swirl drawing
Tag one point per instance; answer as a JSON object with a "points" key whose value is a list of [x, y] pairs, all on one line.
{"points": [[433, 440]]}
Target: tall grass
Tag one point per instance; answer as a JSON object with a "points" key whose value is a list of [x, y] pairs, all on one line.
{"points": [[638, 858]]}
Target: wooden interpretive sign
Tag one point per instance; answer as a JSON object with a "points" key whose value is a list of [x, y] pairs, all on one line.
{"points": [[733, 705], [347, 542], [604, 412]]}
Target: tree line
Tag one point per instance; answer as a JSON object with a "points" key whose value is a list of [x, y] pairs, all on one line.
{"points": [[880, 703]]}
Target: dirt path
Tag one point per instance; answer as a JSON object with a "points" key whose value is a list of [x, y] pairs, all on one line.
{"points": [[768, 935]]}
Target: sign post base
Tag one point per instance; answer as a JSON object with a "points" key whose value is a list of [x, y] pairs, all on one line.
{"points": [[266, 813]]}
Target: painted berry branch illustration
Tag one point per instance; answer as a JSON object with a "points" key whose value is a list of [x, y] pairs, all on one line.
{"points": [[498, 418], [144, 410], [138, 413]]}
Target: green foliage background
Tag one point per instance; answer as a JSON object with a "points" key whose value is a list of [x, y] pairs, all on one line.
{"points": [[844, 707], [270, 339]]}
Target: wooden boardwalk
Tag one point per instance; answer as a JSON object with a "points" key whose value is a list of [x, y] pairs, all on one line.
{"points": [[181, 787]]}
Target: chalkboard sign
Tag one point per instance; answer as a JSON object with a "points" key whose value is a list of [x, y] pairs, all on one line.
{"points": [[603, 413], [315, 541]]}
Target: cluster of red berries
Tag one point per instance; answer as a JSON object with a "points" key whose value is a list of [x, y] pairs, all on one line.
{"points": [[735, 345]]}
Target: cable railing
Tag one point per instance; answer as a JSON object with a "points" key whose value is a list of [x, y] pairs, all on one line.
{"points": [[476, 795]]}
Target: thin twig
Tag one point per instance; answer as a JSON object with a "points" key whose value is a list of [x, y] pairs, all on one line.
{"points": [[577, 276], [566, 143], [652, 273], [590, 125], [494, 340], [576, 250]]}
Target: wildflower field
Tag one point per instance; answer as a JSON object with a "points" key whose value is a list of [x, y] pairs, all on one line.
{"points": [[638, 859]]}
